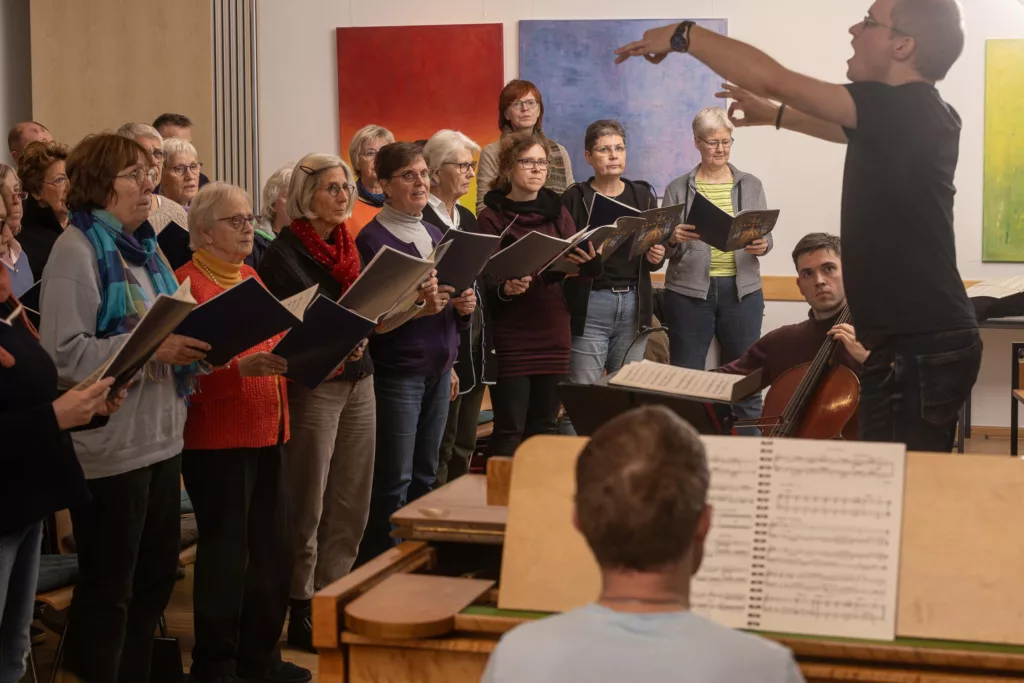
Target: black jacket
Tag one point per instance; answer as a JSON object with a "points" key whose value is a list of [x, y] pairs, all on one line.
{"points": [[287, 269], [576, 199], [39, 230], [41, 474], [474, 364]]}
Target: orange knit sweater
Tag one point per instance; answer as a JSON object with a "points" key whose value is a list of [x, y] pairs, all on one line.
{"points": [[228, 410]]}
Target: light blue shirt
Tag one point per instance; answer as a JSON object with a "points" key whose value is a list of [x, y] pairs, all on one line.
{"points": [[596, 644]]}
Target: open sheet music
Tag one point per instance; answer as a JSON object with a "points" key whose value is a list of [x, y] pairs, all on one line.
{"points": [[805, 536], [668, 379]]}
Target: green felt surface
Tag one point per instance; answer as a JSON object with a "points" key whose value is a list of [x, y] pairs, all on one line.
{"points": [[482, 611]]}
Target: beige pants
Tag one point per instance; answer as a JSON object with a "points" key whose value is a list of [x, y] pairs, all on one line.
{"points": [[331, 462]]}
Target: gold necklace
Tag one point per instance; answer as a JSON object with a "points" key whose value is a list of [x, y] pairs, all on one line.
{"points": [[203, 267]]}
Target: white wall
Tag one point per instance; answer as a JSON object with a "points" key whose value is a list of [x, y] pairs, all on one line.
{"points": [[15, 68], [802, 177]]}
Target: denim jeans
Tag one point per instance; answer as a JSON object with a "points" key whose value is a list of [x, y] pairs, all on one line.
{"points": [[607, 342], [912, 388], [411, 414], [693, 323], [19, 567]]}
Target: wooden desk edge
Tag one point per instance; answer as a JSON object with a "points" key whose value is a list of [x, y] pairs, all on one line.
{"points": [[328, 602]]}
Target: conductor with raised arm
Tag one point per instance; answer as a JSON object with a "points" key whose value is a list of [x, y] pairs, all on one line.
{"points": [[899, 251]]}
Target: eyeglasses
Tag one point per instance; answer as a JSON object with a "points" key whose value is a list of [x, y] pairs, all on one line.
{"points": [[524, 105], [368, 153], [715, 144], [870, 22], [239, 221], [180, 169], [411, 176], [606, 150], [58, 182], [530, 164], [157, 154], [138, 174], [20, 195], [463, 166], [334, 189]]}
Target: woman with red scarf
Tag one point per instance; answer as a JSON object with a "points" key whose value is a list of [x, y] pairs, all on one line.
{"points": [[333, 426]]}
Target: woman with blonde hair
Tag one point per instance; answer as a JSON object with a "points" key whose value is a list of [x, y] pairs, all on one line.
{"points": [[362, 152], [274, 203]]}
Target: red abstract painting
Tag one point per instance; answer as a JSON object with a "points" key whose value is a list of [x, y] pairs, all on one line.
{"points": [[416, 80]]}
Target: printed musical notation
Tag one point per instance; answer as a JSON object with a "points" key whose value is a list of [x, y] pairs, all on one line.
{"points": [[807, 531]]}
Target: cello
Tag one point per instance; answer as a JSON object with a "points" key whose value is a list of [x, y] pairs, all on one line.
{"points": [[816, 400]]}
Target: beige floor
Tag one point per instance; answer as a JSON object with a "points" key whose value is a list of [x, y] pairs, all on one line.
{"points": [[179, 613]]}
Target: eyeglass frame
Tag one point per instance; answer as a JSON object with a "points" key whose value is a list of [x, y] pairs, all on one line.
{"points": [[525, 105], [409, 177], [463, 166], [716, 144], [60, 181], [608, 149], [186, 167], [534, 164], [870, 22], [240, 220], [138, 174], [349, 188]]}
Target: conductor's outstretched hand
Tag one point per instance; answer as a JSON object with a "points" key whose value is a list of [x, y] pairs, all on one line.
{"points": [[654, 46], [757, 111]]}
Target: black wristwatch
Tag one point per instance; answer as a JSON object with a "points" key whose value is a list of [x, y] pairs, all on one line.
{"points": [[681, 38]]}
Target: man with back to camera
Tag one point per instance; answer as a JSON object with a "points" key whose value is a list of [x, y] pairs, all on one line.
{"points": [[819, 268], [171, 125], [901, 277], [641, 505]]}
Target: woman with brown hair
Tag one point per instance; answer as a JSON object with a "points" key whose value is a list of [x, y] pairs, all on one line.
{"points": [[45, 213], [521, 110], [528, 315], [105, 272]]}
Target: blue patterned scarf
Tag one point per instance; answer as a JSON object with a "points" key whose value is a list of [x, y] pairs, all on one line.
{"points": [[123, 300]]}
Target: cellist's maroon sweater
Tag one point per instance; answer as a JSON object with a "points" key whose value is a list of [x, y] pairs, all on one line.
{"points": [[787, 347], [531, 330]]}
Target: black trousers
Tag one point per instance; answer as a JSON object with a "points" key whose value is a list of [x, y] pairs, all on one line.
{"points": [[912, 388], [523, 407], [244, 558], [460, 435], [127, 538]]}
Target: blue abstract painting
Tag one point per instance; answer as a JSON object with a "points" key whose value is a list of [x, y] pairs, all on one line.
{"points": [[572, 64]]}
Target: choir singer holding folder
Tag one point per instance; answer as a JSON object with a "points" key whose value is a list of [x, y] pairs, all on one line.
{"points": [[333, 427], [233, 465], [413, 362], [528, 315]]}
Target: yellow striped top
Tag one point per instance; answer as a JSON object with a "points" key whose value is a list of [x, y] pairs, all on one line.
{"points": [[723, 263]]}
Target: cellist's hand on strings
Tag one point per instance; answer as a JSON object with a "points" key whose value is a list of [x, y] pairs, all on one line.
{"points": [[845, 333]]}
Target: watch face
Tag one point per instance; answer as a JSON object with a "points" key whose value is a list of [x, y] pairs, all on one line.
{"points": [[678, 42]]}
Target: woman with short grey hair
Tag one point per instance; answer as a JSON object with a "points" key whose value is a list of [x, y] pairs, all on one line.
{"points": [[450, 156], [234, 469], [274, 204], [180, 179], [162, 210], [333, 426], [362, 152], [708, 293]]}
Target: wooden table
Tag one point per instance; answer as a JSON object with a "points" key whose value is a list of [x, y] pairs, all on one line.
{"points": [[459, 535]]}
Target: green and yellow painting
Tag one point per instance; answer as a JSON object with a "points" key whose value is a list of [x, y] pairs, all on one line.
{"points": [[1003, 218]]}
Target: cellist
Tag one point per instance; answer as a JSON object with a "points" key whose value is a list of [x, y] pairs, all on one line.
{"points": [[819, 267]]}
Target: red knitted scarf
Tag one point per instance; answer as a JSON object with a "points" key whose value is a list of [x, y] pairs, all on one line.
{"points": [[340, 259]]}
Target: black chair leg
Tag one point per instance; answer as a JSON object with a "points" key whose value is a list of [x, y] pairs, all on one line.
{"points": [[163, 626], [1014, 407], [58, 656], [32, 666], [960, 429]]}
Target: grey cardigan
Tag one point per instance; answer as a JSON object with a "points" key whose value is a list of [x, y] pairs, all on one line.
{"points": [[689, 265], [150, 425]]}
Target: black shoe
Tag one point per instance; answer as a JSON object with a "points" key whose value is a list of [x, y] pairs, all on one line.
{"points": [[216, 679], [300, 626], [278, 672]]}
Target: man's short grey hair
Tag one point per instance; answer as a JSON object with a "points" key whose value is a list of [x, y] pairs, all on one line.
{"points": [[135, 131], [204, 209], [306, 179], [175, 146], [367, 134], [937, 27], [276, 184], [707, 121]]}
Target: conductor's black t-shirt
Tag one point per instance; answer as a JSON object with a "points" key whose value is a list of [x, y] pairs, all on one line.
{"points": [[899, 251]]}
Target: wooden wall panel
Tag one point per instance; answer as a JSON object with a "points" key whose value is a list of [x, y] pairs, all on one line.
{"points": [[97, 64]]}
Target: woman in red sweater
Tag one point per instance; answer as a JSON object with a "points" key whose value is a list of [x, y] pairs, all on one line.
{"points": [[233, 467], [528, 315]]}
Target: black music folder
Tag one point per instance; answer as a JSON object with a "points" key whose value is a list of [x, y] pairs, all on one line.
{"points": [[329, 333], [725, 232], [591, 405], [176, 244], [239, 318], [527, 255], [468, 254]]}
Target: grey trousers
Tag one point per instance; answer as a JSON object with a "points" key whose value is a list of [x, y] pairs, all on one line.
{"points": [[333, 436]]}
